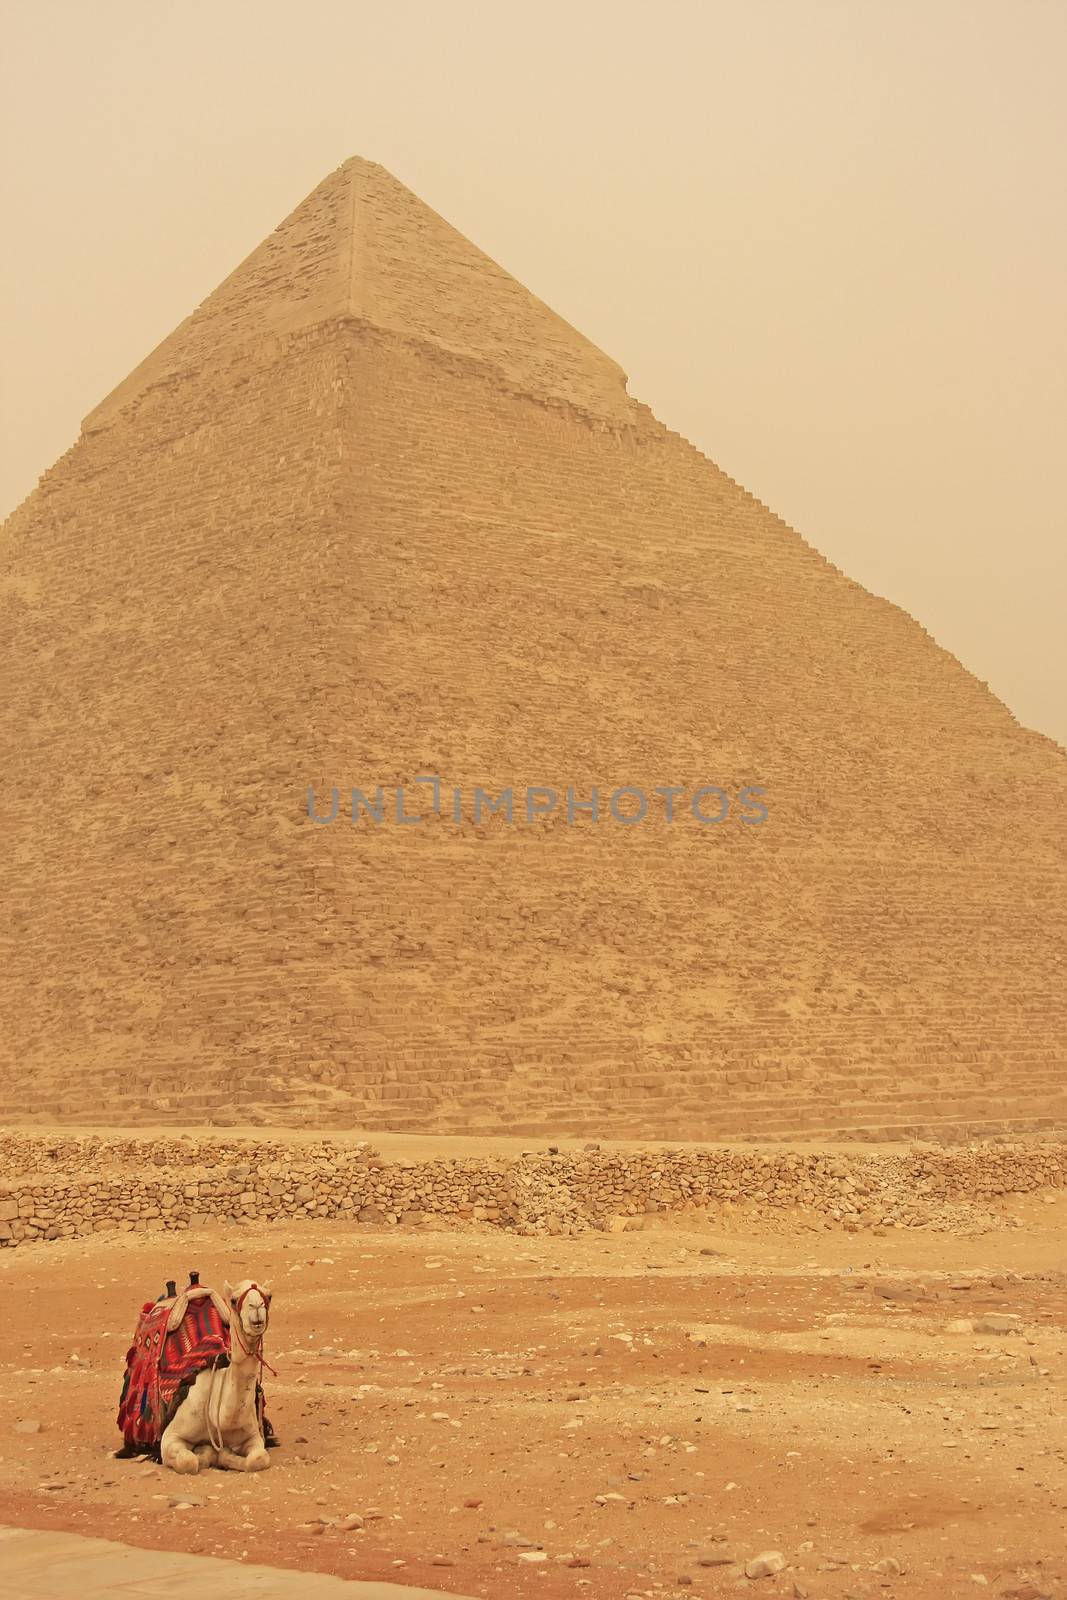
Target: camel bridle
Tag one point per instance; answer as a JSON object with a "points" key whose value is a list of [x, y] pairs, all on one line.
{"points": [[256, 1350]]}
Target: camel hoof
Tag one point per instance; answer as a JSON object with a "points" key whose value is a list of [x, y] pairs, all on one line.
{"points": [[186, 1463], [259, 1462]]}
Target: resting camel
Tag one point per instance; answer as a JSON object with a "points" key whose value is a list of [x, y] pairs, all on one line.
{"points": [[217, 1425]]}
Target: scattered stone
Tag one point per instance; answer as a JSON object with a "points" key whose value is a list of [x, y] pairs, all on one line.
{"points": [[29, 1427], [998, 1322], [900, 1291], [765, 1565]]}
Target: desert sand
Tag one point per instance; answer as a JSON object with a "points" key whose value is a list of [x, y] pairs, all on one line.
{"points": [[603, 1416]]}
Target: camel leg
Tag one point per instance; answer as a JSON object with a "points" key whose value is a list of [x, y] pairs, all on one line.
{"points": [[176, 1454], [252, 1458], [184, 1446]]}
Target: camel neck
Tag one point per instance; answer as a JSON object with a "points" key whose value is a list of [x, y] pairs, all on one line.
{"points": [[244, 1352]]}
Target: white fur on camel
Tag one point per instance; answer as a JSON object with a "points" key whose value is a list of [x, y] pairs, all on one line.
{"points": [[216, 1424]]}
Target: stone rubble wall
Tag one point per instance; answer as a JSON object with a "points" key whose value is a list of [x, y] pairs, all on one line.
{"points": [[68, 1188]]}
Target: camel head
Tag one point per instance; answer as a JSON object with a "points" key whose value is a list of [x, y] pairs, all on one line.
{"points": [[250, 1304]]}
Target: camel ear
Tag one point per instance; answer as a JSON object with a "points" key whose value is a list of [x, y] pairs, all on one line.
{"points": [[265, 1290], [227, 1291]]}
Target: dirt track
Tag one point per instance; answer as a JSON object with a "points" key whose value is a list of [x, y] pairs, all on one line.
{"points": [[725, 1393]]}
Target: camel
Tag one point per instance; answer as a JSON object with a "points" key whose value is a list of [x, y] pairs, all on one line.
{"points": [[217, 1425]]}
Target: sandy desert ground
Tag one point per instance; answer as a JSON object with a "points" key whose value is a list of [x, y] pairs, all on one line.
{"points": [[639, 1414]]}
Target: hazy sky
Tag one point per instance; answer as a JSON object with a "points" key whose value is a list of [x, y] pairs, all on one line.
{"points": [[826, 239]]}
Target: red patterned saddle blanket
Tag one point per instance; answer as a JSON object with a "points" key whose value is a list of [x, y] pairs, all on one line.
{"points": [[175, 1340]]}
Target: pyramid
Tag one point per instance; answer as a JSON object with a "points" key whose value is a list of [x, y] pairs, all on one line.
{"points": [[374, 515]]}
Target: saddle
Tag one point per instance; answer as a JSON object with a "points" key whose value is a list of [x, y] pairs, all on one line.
{"points": [[177, 1337]]}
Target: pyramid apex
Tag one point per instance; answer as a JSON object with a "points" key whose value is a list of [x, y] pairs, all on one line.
{"points": [[363, 246]]}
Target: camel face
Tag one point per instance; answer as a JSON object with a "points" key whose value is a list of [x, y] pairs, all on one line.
{"points": [[250, 1305]]}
